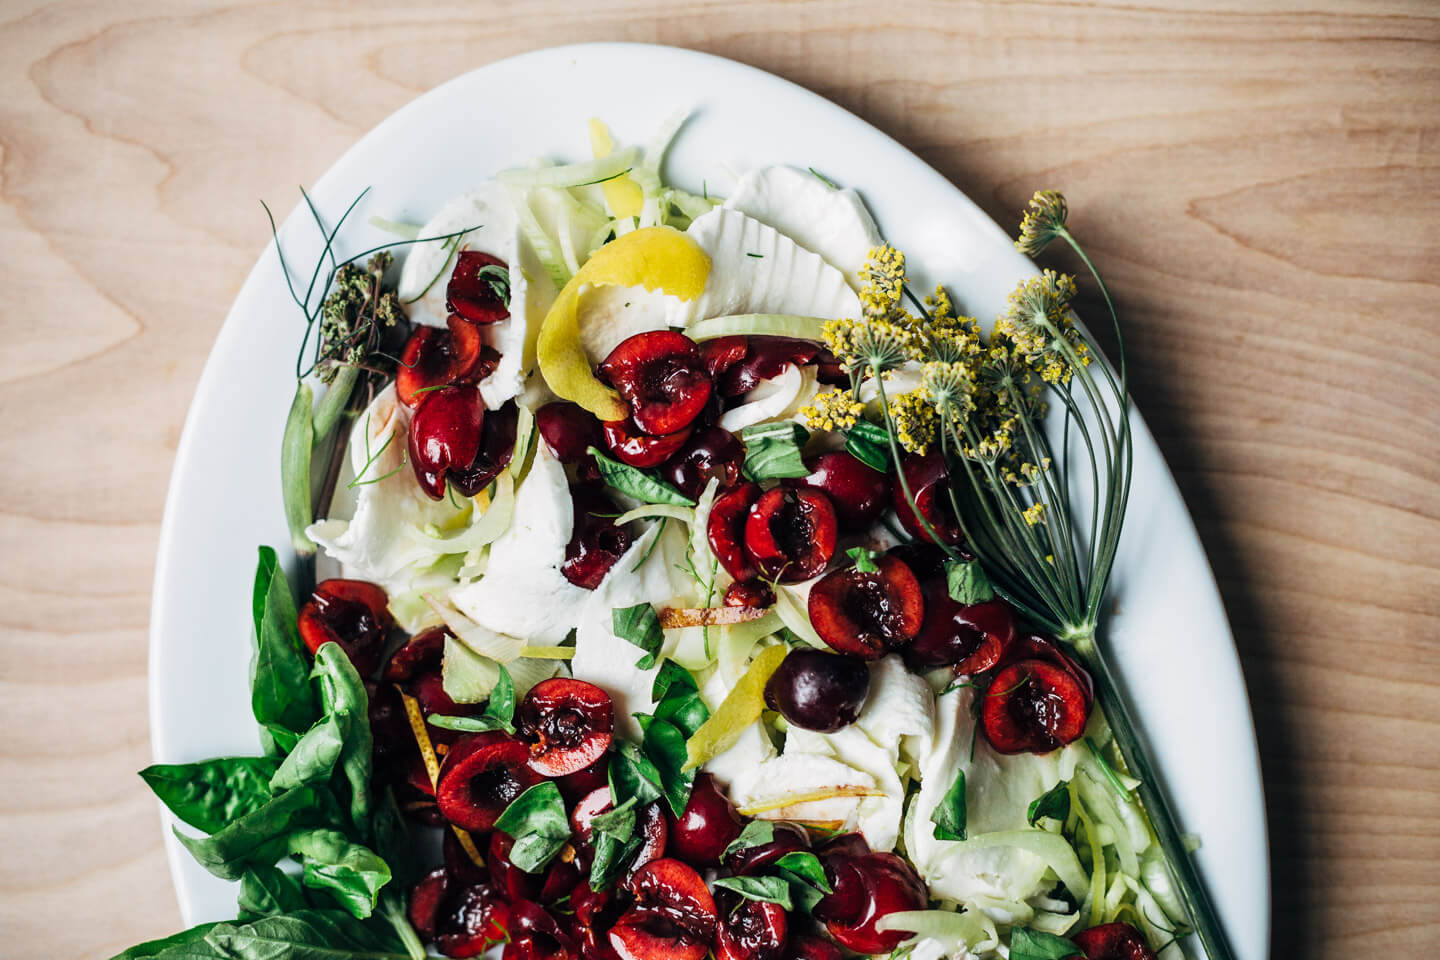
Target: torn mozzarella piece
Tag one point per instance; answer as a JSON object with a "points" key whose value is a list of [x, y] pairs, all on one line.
{"points": [[752, 749], [899, 713], [824, 220], [611, 315]]}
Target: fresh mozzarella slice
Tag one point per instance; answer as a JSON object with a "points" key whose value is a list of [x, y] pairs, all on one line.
{"points": [[795, 775], [609, 661], [899, 713], [833, 223], [878, 817], [425, 275], [610, 315], [756, 269], [523, 594]]}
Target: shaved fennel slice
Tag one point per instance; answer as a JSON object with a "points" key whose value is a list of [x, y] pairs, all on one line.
{"points": [[685, 515], [793, 613], [492, 523], [1050, 847], [660, 143], [485, 642], [771, 400], [758, 324], [970, 931], [546, 250], [405, 231], [572, 174]]}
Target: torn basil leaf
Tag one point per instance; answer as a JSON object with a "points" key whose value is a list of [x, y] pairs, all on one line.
{"points": [[664, 745], [1053, 803], [869, 444], [499, 711], [949, 816], [632, 775], [864, 559], [764, 889], [637, 483], [677, 698], [774, 451], [1026, 944], [967, 583], [755, 833], [537, 822], [640, 626]]}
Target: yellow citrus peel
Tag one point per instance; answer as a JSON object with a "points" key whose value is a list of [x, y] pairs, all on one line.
{"points": [[547, 653], [432, 769], [814, 796], [656, 258], [622, 193], [741, 707]]}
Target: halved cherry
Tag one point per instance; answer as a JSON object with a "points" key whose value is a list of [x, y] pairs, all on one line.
{"points": [[654, 833], [631, 446], [482, 774], [710, 453], [586, 809], [928, 477], [595, 541], [790, 534], [579, 784], [471, 294], [673, 917], [1034, 706], [1113, 941], [445, 435], [660, 374], [867, 888], [568, 724], [708, 825], [417, 669], [787, 838], [497, 446], [352, 613], [749, 929], [750, 593], [969, 637], [535, 934], [426, 897], [868, 614], [515, 884], [765, 358], [722, 353], [595, 913], [463, 920], [812, 948], [726, 529], [434, 357], [858, 492], [569, 430]]}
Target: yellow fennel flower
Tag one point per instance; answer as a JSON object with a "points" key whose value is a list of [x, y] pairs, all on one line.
{"points": [[835, 410], [1043, 222]]}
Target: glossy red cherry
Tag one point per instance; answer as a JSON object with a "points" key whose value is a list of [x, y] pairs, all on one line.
{"points": [[858, 492], [867, 888], [515, 884], [787, 838], [928, 478], [868, 614], [595, 541], [812, 948], [426, 897], [497, 446], [462, 920], [417, 669], [482, 774], [749, 929], [445, 434], [595, 912], [586, 809], [569, 430], [575, 785], [1113, 941], [654, 833], [846, 846], [790, 534], [818, 690], [471, 294], [710, 453], [1034, 706], [352, 613], [434, 357], [969, 637], [726, 530], [630, 446], [535, 934], [661, 376], [722, 353], [756, 594], [765, 358], [673, 917], [568, 724], [708, 825]]}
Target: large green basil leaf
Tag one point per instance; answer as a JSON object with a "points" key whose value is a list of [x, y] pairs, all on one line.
{"points": [[280, 694], [258, 836], [537, 822], [267, 890], [664, 744], [177, 945], [304, 935], [352, 874], [209, 794]]}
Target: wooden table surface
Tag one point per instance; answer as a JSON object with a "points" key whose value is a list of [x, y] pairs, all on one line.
{"points": [[1257, 179]]}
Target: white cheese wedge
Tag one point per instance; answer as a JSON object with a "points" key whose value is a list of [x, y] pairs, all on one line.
{"points": [[608, 661], [824, 220], [426, 273], [523, 594], [756, 269]]}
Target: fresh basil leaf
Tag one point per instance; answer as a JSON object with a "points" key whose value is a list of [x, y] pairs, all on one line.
{"points": [[775, 451], [966, 582], [1026, 944], [615, 841], [280, 693], [678, 699], [536, 820], [1053, 803], [349, 872], [267, 890], [305, 935], [497, 278], [637, 483], [807, 867], [949, 816], [501, 705], [870, 444], [764, 889], [641, 626], [480, 724], [864, 559], [211, 793], [672, 680], [755, 833], [632, 775], [664, 744], [392, 841], [258, 836], [185, 943]]}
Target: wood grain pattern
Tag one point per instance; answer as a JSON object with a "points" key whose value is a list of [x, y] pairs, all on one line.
{"points": [[1258, 179]]}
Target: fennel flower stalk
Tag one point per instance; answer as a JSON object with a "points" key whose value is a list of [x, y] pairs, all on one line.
{"points": [[1046, 543]]}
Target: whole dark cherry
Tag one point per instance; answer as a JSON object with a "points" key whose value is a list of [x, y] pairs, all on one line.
{"points": [[632, 446], [710, 453], [352, 613], [790, 534], [497, 446], [595, 542], [866, 888], [928, 478], [568, 723], [818, 690], [569, 430], [859, 493], [709, 824], [867, 613], [749, 929], [470, 293], [661, 376], [444, 435], [482, 774], [673, 917], [1113, 941], [754, 593]]}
